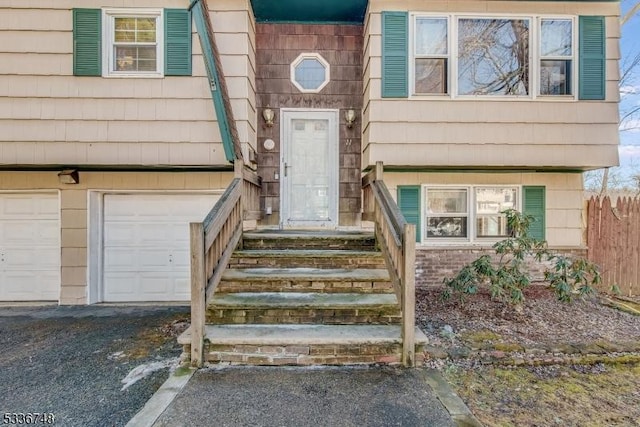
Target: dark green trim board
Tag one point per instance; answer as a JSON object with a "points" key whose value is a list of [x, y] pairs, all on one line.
{"points": [[534, 204], [395, 52], [592, 57], [310, 11], [177, 42], [87, 42], [198, 12], [409, 204]]}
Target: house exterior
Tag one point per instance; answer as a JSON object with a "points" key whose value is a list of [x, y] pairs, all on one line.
{"points": [[110, 142]]}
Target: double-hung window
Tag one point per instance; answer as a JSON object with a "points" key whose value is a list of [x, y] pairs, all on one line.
{"points": [[556, 56], [431, 61], [133, 45], [490, 202], [131, 42], [447, 213]]}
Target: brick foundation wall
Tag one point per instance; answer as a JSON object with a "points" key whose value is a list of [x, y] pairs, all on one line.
{"points": [[434, 264]]}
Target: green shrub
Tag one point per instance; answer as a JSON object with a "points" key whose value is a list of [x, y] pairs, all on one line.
{"points": [[507, 277]]}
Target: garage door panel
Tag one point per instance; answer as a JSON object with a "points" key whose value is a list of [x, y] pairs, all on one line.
{"points": [[146, 245], [30, 245], [31, 259], [182, 289], [31, 232], [182, 259]]}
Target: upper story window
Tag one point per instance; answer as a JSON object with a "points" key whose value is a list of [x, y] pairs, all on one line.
{"points": [[431, 57], [133, 43], [310, 72], [492, 57], [556, 56]]}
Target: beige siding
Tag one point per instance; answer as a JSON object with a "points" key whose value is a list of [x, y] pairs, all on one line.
{"points": [[74, 225], [440, 132], [563, 197], [50, 117]]}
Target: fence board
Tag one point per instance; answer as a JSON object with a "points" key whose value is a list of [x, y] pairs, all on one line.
{"points": [[613, 239]]}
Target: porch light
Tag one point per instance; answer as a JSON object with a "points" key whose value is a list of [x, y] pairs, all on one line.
{"points": [[350, 117], [268, 115], [69, 176]]}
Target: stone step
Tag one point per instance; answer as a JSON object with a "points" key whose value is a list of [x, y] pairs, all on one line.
{"points": [[309, 258], [320, 280], [298, 239], [303, 308], [305, 344]]}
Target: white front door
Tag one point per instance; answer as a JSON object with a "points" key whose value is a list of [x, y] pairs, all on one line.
{"points": [[309, 168], [29, 247], [146, 245]]}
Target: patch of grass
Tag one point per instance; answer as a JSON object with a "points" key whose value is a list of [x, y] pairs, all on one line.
{"points": [[577, 395]]}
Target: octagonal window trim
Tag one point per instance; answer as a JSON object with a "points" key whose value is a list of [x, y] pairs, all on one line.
{"points": [[310, 56]]}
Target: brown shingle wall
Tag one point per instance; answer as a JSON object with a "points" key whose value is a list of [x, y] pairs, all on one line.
{"points": [[277, 46]]}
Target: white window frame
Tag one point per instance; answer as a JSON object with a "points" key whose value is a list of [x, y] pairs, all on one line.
{"points": [[573, 57], [424, 213], [321, 60], [414, 55], [108, 34], [477, 215], [472, 215], [534, 57]]}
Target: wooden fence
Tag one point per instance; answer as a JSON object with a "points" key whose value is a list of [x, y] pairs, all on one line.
{"points": [[613, 238]]}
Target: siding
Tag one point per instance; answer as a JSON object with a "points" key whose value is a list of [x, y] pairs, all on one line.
{"points": [[278, 45], [50, 117], [441, 133]]}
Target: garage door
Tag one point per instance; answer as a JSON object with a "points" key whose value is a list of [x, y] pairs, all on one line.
{"points": [[146, 245], [29, 247]]}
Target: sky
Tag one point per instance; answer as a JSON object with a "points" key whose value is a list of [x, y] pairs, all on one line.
{"points": [[630, 94]]}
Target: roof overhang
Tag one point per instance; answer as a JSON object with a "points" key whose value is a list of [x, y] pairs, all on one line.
{"points": [[310, 11]]}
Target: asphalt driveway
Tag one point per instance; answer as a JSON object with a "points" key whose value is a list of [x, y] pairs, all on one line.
{"points": [[70, 361], [319, 396]]}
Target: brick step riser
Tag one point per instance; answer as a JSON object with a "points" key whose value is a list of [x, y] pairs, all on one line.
{"points": [[302, 243], [284, 262], [299, 316], [361, 287], [306, 355]]}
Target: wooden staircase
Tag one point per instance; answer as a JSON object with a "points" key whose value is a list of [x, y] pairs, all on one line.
{"points": [[304, 298]]}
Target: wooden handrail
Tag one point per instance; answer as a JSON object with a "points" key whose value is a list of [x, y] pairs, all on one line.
{"points": [[397, 240], [212, 243]]}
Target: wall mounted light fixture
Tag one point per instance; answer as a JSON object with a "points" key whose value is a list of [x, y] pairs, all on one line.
{"points": [[69, 176], [268, 115], [350, 117]]}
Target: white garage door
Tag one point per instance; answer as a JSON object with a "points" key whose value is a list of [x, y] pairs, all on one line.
{"points": [[29, 247], [146, 245]]}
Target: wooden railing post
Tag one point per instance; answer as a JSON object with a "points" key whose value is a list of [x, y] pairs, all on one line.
{"points": [[409, 295], [238, 172], [198, 289], [379, 171]]}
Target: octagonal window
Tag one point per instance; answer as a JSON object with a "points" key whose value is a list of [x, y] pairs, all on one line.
{"points": [[310, 72]]}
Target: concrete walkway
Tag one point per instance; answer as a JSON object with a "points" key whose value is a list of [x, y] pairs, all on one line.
{"points": [[330, 396]]}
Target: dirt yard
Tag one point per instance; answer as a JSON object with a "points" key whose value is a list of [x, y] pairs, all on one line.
{"points": [[546, 363]]}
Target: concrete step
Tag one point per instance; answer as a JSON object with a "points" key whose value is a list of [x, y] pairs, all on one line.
{"points": [[303, 308], [334, 280], [305, 344], [299, 239], [309, 258]]}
